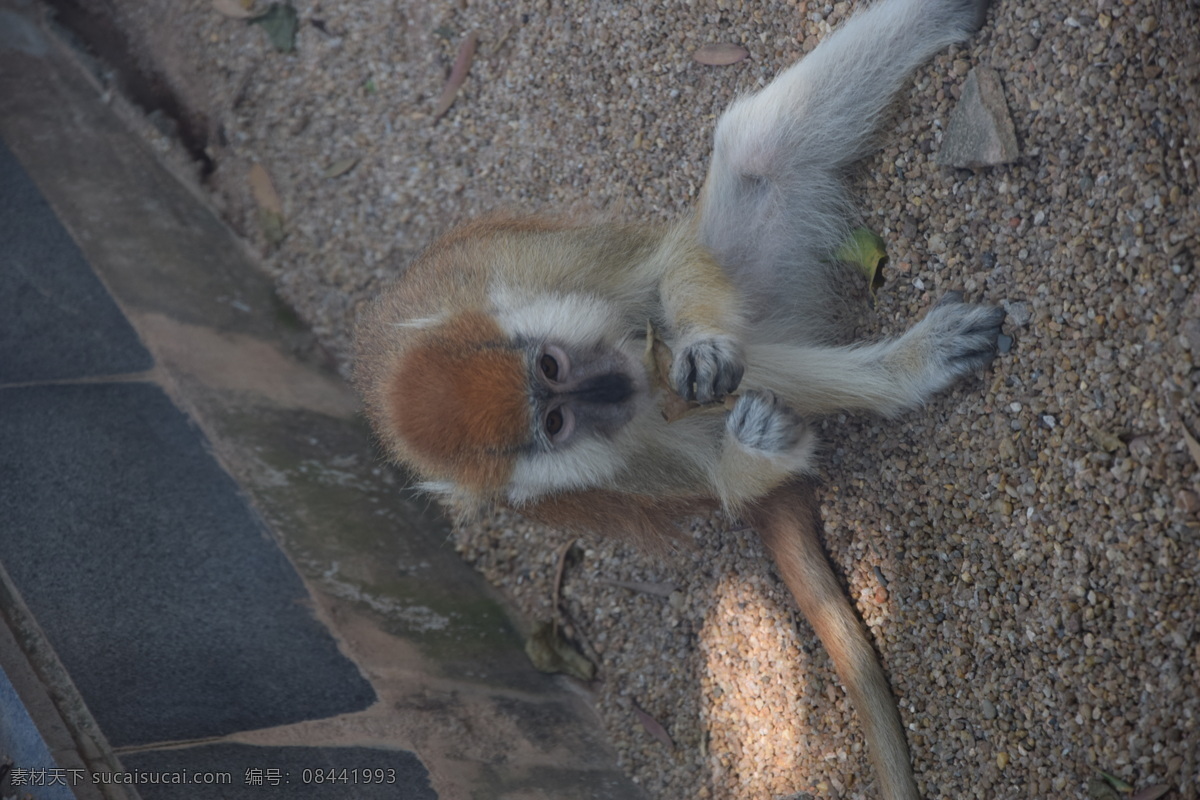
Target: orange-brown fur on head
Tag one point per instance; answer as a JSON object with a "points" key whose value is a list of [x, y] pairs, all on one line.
{"points": [[458, 398]]}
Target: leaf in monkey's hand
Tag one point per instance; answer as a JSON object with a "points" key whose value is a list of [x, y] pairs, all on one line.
{"points": [[867, 251], [549, 651], [658, 359]]}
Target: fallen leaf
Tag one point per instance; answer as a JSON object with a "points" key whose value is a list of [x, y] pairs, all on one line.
{"points": [[1115, 782], [270, 207], [653, 726], [1151, 792], [660, 589], [1107, 441], [340, 167], [458, 74], [280, 21], [234, 9], [867, 251], [1192, 445], [720, 54], [263, 189], [549, 651]]}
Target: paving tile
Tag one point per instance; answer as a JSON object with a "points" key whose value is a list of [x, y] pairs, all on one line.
{"points": [[22, 743], [174, 612], [56, 318], [281, 773]]}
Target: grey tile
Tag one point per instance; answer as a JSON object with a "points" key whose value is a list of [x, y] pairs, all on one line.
{"points": [[56, 318], [33, 767], [174, 612]]}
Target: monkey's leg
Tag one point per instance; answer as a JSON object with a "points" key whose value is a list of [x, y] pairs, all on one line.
{"points": [[954, 339], [788, 523], [773, 202]]}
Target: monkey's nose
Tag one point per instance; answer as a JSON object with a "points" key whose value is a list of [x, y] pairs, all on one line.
{"points": [[610, 388]]}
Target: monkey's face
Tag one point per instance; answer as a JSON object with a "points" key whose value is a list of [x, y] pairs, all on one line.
{"points": [[517, 404], [586, 394]]}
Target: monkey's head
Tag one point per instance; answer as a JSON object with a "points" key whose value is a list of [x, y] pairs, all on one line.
{"points": [[511, 399]]}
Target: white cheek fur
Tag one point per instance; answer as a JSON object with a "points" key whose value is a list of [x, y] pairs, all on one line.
{"points": [[583, 465]]}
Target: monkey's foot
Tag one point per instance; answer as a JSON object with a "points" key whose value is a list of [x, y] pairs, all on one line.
{"points": [[953, 340], [762, 423]]}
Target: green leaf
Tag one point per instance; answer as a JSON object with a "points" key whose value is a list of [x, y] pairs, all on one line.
{"points": [[1115, 782], [280, 21], [867, 251]]}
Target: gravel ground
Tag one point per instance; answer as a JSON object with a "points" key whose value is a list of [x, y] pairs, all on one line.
{"points": [[1024, 550]]}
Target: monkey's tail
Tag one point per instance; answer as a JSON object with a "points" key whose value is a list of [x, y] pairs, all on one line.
{"points": [[788, 522]]}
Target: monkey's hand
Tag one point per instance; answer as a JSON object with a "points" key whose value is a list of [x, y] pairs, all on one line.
{"points": [[954, 339], [707, 368], [761, 422]]}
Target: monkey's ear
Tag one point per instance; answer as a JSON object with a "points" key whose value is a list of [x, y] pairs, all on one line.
{"points": [[650, 523]]}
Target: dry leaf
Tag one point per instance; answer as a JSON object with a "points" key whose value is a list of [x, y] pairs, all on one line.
{"points": [[1192, 445], [654, 727], [458, 74], [720, 54], [270, 207], [263, 189], [1107, 441], [660, 589], [657, 360], [1151, 792], [340, 167], [234, 9]]}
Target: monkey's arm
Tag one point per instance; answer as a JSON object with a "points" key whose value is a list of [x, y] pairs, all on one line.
{"points": [[788, 523], [887, 377], [705, 315]]}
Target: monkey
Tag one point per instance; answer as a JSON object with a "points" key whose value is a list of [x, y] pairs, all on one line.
{"points": [[507, 366]]}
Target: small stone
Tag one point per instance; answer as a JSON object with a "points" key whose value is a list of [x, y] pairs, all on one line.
{"points": [[980, 132], [987, 709]]}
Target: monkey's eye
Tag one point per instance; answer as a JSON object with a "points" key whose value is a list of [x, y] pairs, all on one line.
{"points": [[549, 366], [559, 424]]}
